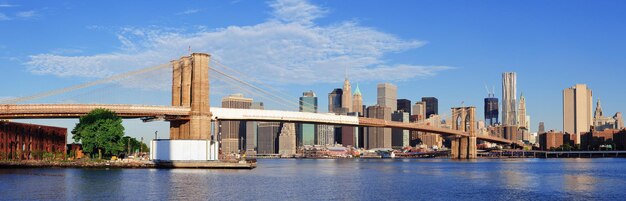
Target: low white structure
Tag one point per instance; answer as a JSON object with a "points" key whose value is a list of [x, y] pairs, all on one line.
{"points": [[183, 150]]}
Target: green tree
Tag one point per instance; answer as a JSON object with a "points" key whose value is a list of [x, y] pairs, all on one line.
{"points": [[100, 131], [135, 145]]}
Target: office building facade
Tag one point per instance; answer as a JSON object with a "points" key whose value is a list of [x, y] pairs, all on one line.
{"points": [[387, 95], [306, 132], [404, 105], [577, 105], [432, 106], [491, 111], [232, 132]]}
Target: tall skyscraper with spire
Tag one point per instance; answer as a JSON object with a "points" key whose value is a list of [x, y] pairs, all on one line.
{"points": [[509, 98], [357, 101], [521, 111], [346, 98]]}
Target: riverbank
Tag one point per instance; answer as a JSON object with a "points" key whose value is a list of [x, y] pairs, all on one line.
{"points": [[124, 164]]}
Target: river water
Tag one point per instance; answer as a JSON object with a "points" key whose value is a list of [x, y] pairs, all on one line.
{"points": [[326, 179]]}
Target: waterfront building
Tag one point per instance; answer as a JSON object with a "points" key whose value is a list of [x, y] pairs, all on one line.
{"points": [[287, 140], [509, 99], [357, 102], [335, 100], [577, 117], [387, 95], [550, 140], [378, 137], [325, 134], [491, 110], [399, 137], [432, 106], [432, 141], [268, 137], [306, 132], [349, 136], [20, 141], [346, 98], [419, 109], [404, 105], [233, 131]]}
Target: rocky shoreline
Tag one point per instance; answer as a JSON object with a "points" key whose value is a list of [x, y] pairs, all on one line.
{"points": [[75, 164], [125, 164]]}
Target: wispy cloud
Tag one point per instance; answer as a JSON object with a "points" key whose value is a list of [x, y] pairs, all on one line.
{"points": [[288, 48], [26, 14], [189, 12], [5, 5]]}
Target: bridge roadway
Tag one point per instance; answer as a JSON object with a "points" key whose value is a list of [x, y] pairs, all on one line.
{"points": [[40, 111]]}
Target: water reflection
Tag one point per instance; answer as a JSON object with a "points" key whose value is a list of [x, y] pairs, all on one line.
{"points": [[363, 179]]}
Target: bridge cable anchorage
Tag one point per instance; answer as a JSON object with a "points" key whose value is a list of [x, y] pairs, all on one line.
{"points": [[85, 85], [274, 91], [254, 87]]}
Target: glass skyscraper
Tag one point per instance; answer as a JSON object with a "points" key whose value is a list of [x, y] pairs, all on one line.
{"points": [[306, 132]]}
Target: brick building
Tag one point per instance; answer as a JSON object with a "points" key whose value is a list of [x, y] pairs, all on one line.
{"points": [[30, 141], [552, 139], [613, 137]]}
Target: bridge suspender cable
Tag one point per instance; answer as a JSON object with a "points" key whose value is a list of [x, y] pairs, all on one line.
{"points": [[218, 63], [252, 86], [234, 83], [85, 85]]}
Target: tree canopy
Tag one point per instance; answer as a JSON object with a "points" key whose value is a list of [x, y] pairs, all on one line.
{"points": [[100, 131]]}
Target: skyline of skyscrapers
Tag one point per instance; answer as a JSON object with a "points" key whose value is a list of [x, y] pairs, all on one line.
{"points": [[509, 99], [307, 134]]}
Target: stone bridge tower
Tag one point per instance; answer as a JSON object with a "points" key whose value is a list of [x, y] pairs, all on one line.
{"points": [[464, 119], [190, 88]]}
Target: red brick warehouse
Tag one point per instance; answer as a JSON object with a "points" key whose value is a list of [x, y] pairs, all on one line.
{"points": [[30, 141]]}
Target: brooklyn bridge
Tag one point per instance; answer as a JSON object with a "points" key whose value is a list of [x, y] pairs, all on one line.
{"points": [[190, 114]]}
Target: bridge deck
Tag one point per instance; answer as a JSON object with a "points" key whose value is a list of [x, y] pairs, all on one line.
{"points": [[39, 111]]}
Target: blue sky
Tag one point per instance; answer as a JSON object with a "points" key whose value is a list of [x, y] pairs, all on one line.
{"points": [[446, 49]]}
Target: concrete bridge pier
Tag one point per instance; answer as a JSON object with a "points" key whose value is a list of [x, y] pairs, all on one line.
{"points": [[463, 147]]}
